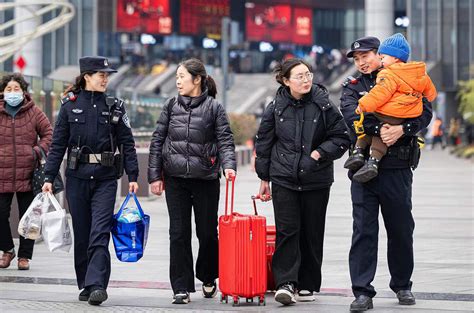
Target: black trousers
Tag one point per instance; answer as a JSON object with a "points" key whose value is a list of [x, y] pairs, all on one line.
{"points": [[6, 241], [91, 203], [300, 217], [182, 195], [391, 192]]}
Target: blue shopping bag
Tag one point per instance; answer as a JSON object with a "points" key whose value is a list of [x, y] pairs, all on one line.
{"points": [[130, 236]]}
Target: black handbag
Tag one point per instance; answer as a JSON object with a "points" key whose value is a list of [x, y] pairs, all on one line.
{"points": [[38, 175]]}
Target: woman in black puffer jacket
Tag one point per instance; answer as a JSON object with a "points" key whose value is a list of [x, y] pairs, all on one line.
{"points": [[191, 143], [300, 135]]}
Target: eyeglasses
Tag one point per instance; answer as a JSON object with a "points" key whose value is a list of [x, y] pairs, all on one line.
{"points": [[301, 77]]}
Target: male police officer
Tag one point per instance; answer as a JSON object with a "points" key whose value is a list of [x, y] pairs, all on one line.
{"points": [[390, 190], [92, 127]]}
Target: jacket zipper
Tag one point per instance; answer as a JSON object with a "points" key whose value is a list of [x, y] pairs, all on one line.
{"points": [[187, 143], [14, 154]]}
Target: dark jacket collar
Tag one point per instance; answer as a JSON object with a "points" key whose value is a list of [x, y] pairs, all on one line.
{"points": [[88, 95], [192, 102]]}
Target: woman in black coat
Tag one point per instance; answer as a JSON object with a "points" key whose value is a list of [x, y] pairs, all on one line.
{"points": [[190, 145], [300, 135]]}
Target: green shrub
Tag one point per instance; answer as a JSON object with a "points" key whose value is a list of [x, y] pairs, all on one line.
{"points": [[244, 127], [466, 100]]}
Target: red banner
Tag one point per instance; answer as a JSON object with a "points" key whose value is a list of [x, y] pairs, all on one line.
{"points": [[144, 16], [203, 17], [279, 23]]}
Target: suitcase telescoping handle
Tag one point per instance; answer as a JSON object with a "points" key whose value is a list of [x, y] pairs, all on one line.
{"points": [[227, 182], [255, 197]]}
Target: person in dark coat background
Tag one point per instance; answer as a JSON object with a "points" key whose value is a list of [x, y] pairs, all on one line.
{"points": [[300, 135], [190, 145], [21, 124], [91, 127]]}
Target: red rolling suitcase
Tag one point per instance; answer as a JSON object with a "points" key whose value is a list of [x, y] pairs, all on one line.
{"points": [[242, 259]]}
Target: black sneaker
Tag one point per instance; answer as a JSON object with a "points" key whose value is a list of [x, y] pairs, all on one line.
{"points": [[209, 290], [368, 171], [286, 294], [305, 296], [356, 160], [405, 297], [361, 303], [84, 295], [97, 296], [181, 297]]}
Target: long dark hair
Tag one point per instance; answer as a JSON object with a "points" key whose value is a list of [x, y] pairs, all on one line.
{"points": [[80, 83], [16, 77], [196, 68], [283, 70]]}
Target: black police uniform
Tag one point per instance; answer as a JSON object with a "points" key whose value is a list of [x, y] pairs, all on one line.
{"points": [[85, 121], [391, 190]]}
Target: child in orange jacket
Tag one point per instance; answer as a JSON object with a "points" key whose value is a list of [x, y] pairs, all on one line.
{"points": [[398, 94]]}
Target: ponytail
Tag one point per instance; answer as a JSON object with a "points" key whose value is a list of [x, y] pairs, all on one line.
{"points": [[211, 86], [80, 83]]}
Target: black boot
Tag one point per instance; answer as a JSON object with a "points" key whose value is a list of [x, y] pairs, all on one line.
{"points": [[405, 297], [355, 160], [97, 296], [362, 303], [368, 171]]}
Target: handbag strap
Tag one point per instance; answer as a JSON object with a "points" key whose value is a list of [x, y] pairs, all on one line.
{"points": [[42, 153], [125, 202]]}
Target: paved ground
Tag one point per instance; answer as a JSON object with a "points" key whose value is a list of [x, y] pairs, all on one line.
{"points": [[444, 255]]}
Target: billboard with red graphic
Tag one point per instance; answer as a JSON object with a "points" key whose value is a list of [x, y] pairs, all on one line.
{"points": [[279, 23], [203, 17], [144, 16]]}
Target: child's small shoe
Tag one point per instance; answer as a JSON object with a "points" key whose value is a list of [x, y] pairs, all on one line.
{"points": [[356, 160], [368, 171]]}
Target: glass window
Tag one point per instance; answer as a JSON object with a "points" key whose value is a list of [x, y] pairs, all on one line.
{"points": [[432, 30], [449, 41], [463, 39], [416, 30]]}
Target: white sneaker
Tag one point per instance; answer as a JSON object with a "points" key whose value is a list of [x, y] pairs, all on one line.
{"points": [[286, 294], [305, 296], [181, 297]]}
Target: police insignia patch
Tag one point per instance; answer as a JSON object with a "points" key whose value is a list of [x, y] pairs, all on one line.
{"points": [[106, 63], [126, 120], [356, 45]]}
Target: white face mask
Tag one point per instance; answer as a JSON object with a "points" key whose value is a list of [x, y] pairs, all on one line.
{"points": [[13, 98]]}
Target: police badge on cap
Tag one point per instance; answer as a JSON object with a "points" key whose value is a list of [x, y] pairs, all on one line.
{"points": [[364, 44], [95, 64]]}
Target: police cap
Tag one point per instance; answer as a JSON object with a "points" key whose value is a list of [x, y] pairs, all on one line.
{"points": [[95, 64], [363, 44]]}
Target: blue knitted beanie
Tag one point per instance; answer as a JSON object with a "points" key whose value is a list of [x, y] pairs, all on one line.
{"points": [[396, 46]]}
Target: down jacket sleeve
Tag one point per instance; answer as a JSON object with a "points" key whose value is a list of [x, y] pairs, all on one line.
{"points": [[225, 140], [44, 131], [380, 94], [337, 139], [155, 159], [264, 142]]}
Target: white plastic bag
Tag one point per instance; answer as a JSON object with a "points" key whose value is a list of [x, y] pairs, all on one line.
{"points": [[30, 223], [55, 227]]}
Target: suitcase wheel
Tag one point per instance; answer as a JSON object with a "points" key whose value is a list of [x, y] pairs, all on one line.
{"points": [[236, 301], [261, 301], [223, 298]]}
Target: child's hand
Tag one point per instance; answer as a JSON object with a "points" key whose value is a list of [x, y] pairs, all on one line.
{"points": [[358, 110]]}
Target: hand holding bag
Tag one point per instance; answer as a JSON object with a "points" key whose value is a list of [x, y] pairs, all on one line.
{"points": [[38, 175], [130, 230], [55, 227]]}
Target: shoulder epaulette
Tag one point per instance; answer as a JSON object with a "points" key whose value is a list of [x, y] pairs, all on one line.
{"points": [[70, 96], [350, 80]]}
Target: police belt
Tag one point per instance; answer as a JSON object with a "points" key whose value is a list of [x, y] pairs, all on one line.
{"points": [[91, 158], [400, 152]]}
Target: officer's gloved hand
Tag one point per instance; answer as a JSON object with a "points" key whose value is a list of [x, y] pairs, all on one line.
{"points": [[47, 187]]}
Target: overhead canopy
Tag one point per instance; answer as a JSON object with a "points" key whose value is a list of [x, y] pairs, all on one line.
{"points": [[65, 73]]}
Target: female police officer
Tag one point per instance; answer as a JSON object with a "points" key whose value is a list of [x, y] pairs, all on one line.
{"points": [[91, 126]]}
